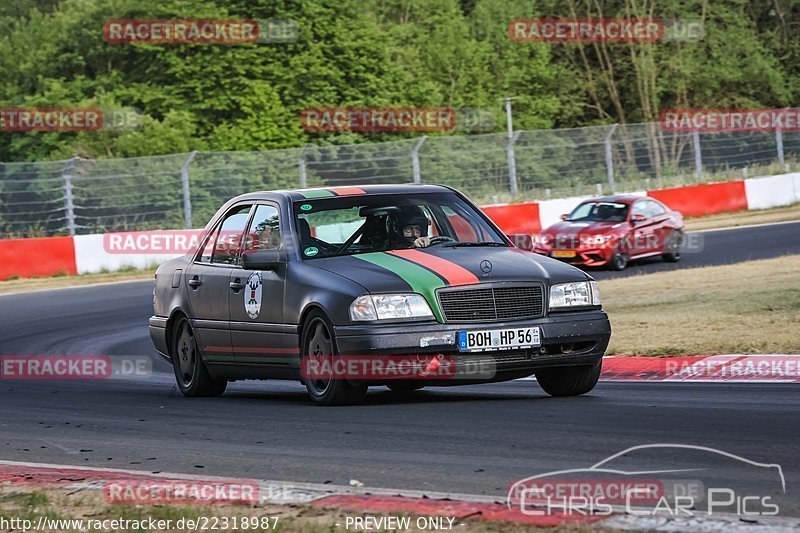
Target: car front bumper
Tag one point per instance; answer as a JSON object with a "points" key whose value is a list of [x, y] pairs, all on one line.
{"points": [[567, 338], [594, 257]]}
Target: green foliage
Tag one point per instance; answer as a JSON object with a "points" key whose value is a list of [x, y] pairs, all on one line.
{"points": [[373, 53]]}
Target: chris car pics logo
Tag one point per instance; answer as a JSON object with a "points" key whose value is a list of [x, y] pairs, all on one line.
{"points": [[668, 488]]}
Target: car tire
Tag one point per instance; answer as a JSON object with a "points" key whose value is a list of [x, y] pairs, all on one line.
{"points": [[569, 380], [672, 248], [318, 340], [191, 373], [619, 261]]}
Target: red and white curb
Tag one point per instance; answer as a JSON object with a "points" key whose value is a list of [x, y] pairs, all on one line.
{"points": [[733, 368], [363, 500], [777, 368]]}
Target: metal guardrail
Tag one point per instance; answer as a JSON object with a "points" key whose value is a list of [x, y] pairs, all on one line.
{"points": [[183, 190]]}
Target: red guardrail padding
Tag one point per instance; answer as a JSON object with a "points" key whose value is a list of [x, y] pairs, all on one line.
{"points": [[515, 218], [45, 256], [706, 199]]}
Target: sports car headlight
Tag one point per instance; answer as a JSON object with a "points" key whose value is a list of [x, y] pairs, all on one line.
{"points": [[581, 293], [389, 307]]}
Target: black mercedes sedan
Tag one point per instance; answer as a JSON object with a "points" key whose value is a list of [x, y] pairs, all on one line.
{"points": [[343, 288]]}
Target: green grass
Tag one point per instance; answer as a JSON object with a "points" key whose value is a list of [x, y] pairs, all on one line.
{"points": [[751, 307]]}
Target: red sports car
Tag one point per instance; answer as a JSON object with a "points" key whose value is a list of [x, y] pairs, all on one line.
{"points": [[612, 230]]}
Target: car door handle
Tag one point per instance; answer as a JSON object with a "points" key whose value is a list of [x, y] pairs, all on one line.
{"points": [[236, 285], [195, 282]]}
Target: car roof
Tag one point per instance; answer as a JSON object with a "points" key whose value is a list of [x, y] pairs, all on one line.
{"points": [[348, 190], [617, 198]]}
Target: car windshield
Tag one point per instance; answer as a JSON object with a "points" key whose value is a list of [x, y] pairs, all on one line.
{"points": [[599, 212], [377, 223]]}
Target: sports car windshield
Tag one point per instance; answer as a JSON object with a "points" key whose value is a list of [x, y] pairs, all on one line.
{"points": [[599, 212], [378, 223]]}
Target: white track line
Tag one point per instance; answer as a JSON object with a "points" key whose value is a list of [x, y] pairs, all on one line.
{"points": [[80, 286], [728, 228]]}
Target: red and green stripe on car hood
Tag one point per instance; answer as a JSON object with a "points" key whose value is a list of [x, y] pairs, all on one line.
{"points": [[423, 272], [330, 192]]}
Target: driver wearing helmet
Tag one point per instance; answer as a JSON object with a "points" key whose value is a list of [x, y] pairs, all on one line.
{"points": [[411, 228]]}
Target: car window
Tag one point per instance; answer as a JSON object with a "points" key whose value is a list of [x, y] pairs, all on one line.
{"points": [[640, 208], [599, 212], [647, 208], [229, 237], [208, 247], [461, 225], [379, 223], [655, 208], [265, 231]]}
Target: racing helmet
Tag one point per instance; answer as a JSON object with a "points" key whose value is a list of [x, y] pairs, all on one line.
{"points": [[408, 215]]}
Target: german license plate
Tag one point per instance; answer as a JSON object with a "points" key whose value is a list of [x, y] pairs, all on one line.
{"points": [[563, 253], [499, 339]]}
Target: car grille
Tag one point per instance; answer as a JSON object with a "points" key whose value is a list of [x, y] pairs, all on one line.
{"points": [[492, 303], [491, 358]]}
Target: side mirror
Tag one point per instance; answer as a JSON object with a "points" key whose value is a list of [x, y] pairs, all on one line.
{"points": [[638, 218], [564, 216], [523, 241], [262, 259]]}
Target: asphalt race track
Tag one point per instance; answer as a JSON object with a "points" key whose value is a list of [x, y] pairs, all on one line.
{"points": [[722, 247], [476, 439]]}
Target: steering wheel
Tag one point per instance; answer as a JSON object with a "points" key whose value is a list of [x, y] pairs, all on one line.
{"points": [[439, 239]]}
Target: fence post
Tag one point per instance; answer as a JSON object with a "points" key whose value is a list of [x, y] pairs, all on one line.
{"points": [[415, 159], [779, 145], [512, 163], [187, 198], [609, 159], [301, 165], [69, 203], [698, 156]]}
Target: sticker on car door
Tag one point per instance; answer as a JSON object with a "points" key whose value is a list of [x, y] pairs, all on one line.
{"points": [[252, 295]]}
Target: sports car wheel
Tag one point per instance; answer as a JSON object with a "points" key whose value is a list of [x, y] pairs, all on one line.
{"points": [[319, 346], [672, 248], [569, 380], [619, 261], [190, 370]]}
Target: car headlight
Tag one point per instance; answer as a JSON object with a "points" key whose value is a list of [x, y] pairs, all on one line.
{"points": [[596, 299], [576, 294], [389, 307]]}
